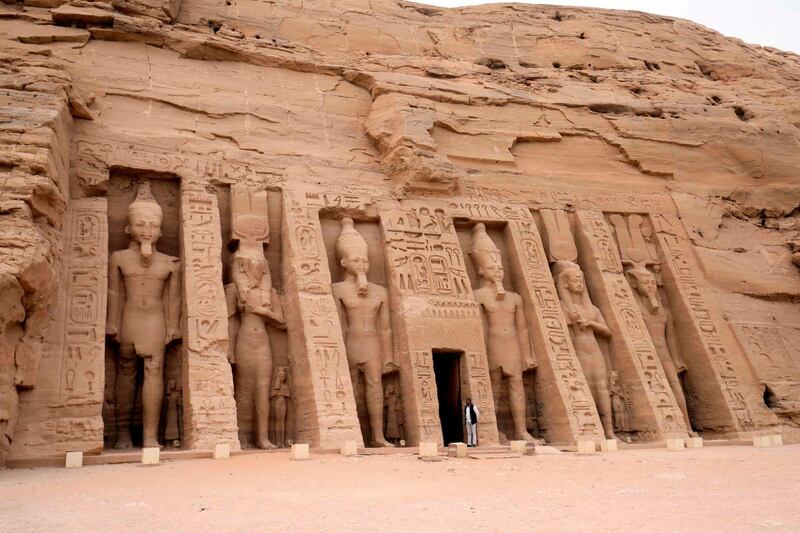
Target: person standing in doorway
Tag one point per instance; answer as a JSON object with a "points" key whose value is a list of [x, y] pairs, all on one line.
{"points": [[471, 415]]}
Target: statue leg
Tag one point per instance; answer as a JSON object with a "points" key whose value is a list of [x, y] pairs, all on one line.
{"points": [[496, 377], [280, 421], [374, 386], [516, 400], [242, 393], [125, 393], [263, 377], [675, 384], [152, 397], [598, 383]]}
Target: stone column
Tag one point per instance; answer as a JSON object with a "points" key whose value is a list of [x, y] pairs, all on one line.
{"points": [[433, 308], [209, 409], [725, 395], [655, 413], [568, 411], [323, 394], [64, 411]]}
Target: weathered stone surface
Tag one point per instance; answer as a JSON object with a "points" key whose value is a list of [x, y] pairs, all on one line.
{"points": [[419, 124]]}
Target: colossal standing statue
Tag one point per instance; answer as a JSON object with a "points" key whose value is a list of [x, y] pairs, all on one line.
{"points": [[143, 315], [364, 314], [256, 303], [585, 321], [507, 341], [659, 323]]}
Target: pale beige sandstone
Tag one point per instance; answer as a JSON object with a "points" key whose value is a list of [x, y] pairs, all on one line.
{"points": [[546, 124]]}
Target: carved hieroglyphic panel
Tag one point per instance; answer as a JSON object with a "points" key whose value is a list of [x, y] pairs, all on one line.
{"points": [[634, 356], [711, 351], [423, 253], [323, 392], [83, 354], [208, 403], [568, 411]]}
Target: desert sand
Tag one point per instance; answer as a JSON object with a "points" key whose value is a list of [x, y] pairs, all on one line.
{"points": [[727, 488]]}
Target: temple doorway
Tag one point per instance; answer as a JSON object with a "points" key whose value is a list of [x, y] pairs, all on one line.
{"points": [[447, 370]]}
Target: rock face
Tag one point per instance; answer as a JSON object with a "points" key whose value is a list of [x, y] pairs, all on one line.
{"points": [[636, 175]]}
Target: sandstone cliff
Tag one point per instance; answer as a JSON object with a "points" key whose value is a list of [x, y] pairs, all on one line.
{"points": [[417, 99]]}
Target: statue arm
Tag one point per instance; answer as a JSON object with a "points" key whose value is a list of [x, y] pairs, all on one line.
{"points": [[116, 298], [385, 324], [673, 345], [274, 313], [174, 302], [340, 311], [528, 359], [599, 325]]}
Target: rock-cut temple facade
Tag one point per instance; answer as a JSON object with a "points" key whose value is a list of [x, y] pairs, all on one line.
{"points": [[262, 223]]}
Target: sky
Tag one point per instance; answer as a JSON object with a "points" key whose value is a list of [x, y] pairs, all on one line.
{"points": [[765, 22]]}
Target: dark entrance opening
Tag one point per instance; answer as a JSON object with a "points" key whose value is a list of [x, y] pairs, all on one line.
{"points": [[447, 369]]}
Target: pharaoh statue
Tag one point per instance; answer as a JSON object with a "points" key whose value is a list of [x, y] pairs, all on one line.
{"points": [[252, 303], [507, 341], [661, 327], [280, 395], [143, 315], [364, 314], [394, 414], [585, 322]]}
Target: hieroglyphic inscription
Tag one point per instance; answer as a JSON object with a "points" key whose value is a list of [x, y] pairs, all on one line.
{"points": [[82, 358], [324, 393], [209, 406], [571, 413], [141, 155], [683, 269], [636, 358], [565, 196], [424, 253]]}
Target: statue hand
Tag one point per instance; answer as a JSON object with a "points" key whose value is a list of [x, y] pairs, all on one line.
{"points": [[112, 331], [173, 334], [389, 367]]}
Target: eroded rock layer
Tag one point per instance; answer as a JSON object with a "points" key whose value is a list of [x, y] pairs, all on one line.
{"points": [[584, 220]]}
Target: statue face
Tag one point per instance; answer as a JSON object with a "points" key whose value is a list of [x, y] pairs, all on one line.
{"points": [[646, 285], [355, 262], [574, 281], [144, 225], [492, 267], [282, 373]]}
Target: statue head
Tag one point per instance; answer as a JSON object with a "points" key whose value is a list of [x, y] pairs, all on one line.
{"points": [[351, 248], [570, 277], [282, 373], [144, 219], [644, 283], [486, 258]]}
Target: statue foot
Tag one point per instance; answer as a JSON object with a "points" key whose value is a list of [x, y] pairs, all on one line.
{"points": [[124, 442], [265, 444], [527, 437], [381, 443], [501, 437], [150, 442]]}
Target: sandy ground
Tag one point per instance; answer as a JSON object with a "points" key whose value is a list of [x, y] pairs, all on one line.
{"points": [[711, 489]]}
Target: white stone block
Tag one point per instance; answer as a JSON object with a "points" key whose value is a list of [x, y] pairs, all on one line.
{"points": [[777, 440], [151, 456], [675, 445], [74, 460], [762, 441], [519, 446], [428, 449], [461, 449], [299, 452], [349, 448], [586, 447], [694, 442], [609, 445], [222, 451]]}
